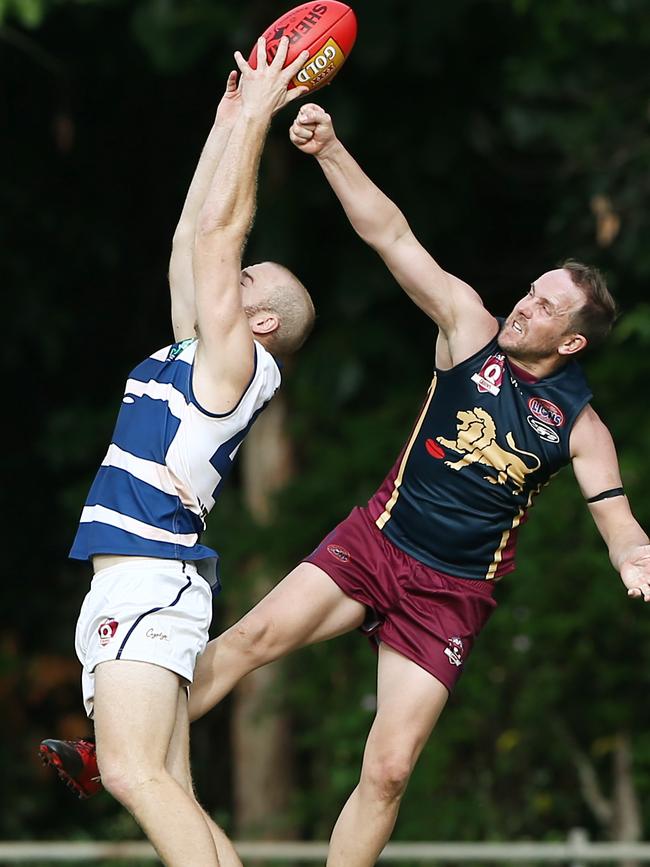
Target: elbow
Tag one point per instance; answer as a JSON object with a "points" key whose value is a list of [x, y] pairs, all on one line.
{"points": [[382, 234], [382, 241], [211, 222]]}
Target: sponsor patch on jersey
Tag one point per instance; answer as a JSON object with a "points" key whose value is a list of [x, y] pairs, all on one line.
{"points": [[544, 431], [454, 651], [545, 411], [490, 376], [106, 630], [338, 552], [176, 348]]}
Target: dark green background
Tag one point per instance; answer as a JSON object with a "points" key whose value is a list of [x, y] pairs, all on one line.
{"points": [[494, 124]]}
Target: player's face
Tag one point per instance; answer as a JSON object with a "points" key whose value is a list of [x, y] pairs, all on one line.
{"points": [[256, 280], [541, 321]]}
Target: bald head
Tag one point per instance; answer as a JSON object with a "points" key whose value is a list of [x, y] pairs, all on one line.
{"points": [[270, 288]]}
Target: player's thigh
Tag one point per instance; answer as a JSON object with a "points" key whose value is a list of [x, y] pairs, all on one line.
{"points": [[135, 710], [305, 607], [409, 703]]}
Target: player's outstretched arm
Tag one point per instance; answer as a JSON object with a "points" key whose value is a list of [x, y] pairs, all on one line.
{"points": [[381, 224], [181, 275], [597, 471], [225, 355]]}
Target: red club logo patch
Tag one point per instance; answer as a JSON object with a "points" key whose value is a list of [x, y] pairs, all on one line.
{"points": [[338, 552], [546, 411], [106, 631]]}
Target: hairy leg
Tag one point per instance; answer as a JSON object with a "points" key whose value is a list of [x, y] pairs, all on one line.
{"points": [[304, 608], [178, 765], [136, 707], [409, 702]]}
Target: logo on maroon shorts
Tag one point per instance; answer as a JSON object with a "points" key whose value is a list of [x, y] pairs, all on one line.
{"points": [[107, 630], [338, 552], [546, 411], [454, 651]]}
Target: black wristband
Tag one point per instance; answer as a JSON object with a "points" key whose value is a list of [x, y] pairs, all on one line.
{"points": [[606, 495]]}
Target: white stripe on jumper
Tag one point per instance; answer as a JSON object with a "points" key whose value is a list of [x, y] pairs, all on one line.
{"points": [[157, 475], [138, 528]]}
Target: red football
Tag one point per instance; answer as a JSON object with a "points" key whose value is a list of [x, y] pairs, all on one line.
{"points": [[327, 30]]}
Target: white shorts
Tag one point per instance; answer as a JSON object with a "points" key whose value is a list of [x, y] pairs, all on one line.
{"points": [[149, 610]]}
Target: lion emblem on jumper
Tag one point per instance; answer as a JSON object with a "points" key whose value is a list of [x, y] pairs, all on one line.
{"points": [[476, 441]]}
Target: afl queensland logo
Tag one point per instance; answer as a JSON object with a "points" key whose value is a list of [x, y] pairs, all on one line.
{"points": [[490, 376], [107, 630]]}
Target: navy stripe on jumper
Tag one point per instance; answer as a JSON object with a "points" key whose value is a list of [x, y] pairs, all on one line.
{"points": [[118, 490], [145, 427], [153, 611]]}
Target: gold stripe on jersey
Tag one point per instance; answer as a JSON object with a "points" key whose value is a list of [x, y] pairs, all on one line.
{"points": [[498, 554], [383, 519]]}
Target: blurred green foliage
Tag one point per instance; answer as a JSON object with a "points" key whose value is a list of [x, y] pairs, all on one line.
{"points": [[513, 134]]}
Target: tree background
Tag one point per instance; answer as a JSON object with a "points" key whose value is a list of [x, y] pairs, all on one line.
{"points": [[513, 133]]}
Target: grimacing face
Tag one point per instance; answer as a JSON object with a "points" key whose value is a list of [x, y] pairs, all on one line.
{"points": [[539, 325]]}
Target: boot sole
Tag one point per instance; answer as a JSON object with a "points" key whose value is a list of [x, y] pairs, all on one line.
{"points": [[53, 760]]}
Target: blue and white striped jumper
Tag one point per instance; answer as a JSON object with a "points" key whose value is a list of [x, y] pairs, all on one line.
{"points": [[167, 460]]}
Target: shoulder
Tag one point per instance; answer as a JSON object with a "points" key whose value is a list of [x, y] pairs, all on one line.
{"points": [[590, 433], [243, 401], [266, 364]]}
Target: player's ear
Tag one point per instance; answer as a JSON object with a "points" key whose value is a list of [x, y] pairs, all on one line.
{"points": [[264, 322], [572, 343]]}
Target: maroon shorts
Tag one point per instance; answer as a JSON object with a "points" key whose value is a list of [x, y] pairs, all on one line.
{"points": [[428, 617]]}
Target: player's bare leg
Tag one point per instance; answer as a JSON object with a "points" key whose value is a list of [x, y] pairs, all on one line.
{"points": [[409, 702], [178, 765], [304, 608], [136, 707]]}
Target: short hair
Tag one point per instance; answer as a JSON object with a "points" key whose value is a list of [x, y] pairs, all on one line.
{"points": [[594, 320], [292, 304]]}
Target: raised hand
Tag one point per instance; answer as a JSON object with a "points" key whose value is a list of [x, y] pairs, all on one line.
{"points": [[264, 89], [312, 131], [229, 105]]}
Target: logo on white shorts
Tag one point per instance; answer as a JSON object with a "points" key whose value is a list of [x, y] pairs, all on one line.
{"points": [[107, 630], [454, 651], [157, 634]]}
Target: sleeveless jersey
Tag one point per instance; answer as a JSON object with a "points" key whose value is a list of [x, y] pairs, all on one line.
{"points": [[167, 460], [484, 445]]}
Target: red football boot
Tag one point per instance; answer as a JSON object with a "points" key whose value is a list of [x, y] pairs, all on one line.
{"points": [[75, 762]]}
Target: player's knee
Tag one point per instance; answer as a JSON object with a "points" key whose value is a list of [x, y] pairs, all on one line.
{"points": [[386, 776], [125, 780], [116, 778], [254, 639]]}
